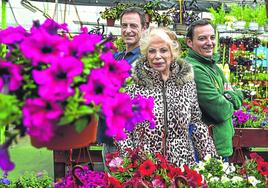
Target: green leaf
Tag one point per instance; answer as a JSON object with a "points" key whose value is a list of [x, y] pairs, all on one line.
{"points": [[64, 120], [86, 109], [81, 123]]}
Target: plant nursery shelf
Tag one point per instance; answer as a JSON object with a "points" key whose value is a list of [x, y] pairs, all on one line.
{"points": [[250, 137], [246, 138]]}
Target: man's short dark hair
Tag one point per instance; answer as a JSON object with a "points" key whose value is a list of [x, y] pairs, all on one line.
{"points": [[137, 10], [190, 30]]}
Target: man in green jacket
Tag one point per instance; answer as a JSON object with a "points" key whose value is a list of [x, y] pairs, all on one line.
{"points": [[217, 99]]}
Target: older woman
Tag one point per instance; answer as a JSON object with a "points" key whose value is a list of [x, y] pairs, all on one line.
{"points": [[161, 75]]}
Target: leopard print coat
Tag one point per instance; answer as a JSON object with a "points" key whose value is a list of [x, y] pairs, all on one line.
{"points": [[175, 108]]}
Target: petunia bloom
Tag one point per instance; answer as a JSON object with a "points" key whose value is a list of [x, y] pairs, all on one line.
{"points": [[12, 35], [43, 47], [147, 168], [5, 163], [117, 111], [40, 117], [98, 88], [117, 71], [55, 81], [10, 73]]}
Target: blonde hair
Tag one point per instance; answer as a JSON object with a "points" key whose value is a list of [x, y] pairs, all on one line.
{"points": [[166, 35]]}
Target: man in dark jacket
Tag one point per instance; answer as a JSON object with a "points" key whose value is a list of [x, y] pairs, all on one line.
{"points": [[217, 99], [132, 22]]}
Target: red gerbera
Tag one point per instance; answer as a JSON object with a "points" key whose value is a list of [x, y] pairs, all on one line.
{"points": [[147, 168], [263, 168], [113, 183]]}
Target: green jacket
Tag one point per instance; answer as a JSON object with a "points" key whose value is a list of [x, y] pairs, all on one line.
{"points": [[216, 109]]}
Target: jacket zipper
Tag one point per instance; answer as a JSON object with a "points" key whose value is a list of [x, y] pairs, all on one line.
{"points": [[165, 119]]}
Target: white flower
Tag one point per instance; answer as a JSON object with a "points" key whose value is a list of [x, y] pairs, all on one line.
{"points": [[214, 179], [207, 157], [236, 179], [116, 162], [253, 180], [200, 166], [228, 168], [224, 179], [225, 166]]}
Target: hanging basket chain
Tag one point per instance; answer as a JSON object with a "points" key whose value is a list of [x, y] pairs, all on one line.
{"points": [[77, 14]]}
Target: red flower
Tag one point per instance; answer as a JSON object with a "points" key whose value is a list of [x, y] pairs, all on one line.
{"points": [[265, 109], [263, 168], [113, 183], [243, 171], [256, 103], [173, 172], [256, 157], [147, 168], [163, 161], [194, 179]]}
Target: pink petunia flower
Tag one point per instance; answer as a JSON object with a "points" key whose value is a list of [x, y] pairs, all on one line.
{"points": [[117, 110], [40, 116], [118, 71], [12, 35], [43, 47], [55, 82], [98, 87]]}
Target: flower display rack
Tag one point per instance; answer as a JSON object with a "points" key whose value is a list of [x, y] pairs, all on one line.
{"points": [[245, 138], [63, 158]]}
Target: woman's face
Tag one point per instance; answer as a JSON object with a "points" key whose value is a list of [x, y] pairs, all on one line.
{"points": [[159, 56]]}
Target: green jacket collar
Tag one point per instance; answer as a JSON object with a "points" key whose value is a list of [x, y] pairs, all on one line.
{"points": [[203, 59]]}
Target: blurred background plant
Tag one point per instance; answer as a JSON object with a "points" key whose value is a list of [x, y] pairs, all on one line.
{"points": [[252, 114]]}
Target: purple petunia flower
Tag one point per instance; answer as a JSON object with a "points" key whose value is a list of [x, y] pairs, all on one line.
{"points": [[52, 27], [39, 117], [12, 35], [5, 163], [12, 72], [55, 81], [143, 110], [117, 110], [99, 88], [43, 47]]}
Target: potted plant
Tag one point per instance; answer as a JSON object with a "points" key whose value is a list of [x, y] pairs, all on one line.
{"points": [[150, 8], [163, 19], [218, 18], [250, 16], [60, 84], [139, 169], [237, 12], [113, 13], [261, 17], [251, 126], [110, 14]]}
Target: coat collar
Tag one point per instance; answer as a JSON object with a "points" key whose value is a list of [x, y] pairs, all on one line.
{"points": [[143, 74], [203, 59]]}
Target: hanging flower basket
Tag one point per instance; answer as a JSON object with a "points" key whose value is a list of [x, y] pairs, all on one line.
{"points": [[181, 29], [55, 85], [67, 138]]}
